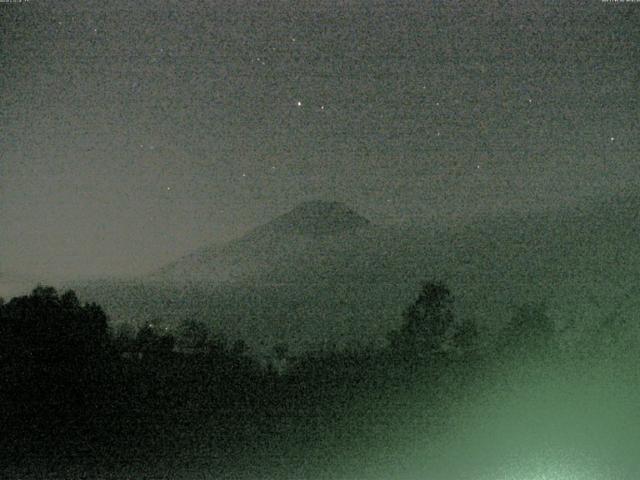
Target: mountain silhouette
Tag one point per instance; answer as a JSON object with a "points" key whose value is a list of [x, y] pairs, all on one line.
{"points": [[301, 232], [316, 218], [321, 273], [317, 273]]}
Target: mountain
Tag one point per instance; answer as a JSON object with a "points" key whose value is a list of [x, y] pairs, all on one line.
{"points": [[322, 273], [315, 218], [319, 273], [267, 246]]}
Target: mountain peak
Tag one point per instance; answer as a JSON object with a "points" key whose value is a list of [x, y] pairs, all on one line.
{"points": [[319, 217]]}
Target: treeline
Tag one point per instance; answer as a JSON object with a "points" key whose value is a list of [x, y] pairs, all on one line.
{"points": [[71, 382]]}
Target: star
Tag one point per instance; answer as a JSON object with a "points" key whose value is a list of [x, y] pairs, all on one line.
{"points": [[612, 139], [299, 103]]}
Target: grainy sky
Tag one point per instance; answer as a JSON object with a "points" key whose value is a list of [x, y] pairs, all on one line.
{"points": [[134, 132]]}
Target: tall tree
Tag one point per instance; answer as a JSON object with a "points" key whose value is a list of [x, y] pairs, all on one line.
{"points": [[427, 322]]}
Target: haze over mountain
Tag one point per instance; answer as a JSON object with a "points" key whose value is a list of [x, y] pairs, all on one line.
{"points": [[323, 274]]}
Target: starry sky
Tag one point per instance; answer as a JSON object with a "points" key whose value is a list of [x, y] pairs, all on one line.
{"points": [[134, 132]]}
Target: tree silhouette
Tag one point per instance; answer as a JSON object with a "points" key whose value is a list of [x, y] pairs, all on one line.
{"points": [[153, 343], [192, 335], [54, 354], [427, 323], [69, 301], [45, 327], [216, 346], [124, 338]]}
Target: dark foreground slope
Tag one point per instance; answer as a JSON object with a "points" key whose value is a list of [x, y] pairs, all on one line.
{"points": [[337, 417]]}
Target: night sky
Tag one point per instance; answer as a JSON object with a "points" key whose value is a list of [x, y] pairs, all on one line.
{"points": [[133, 133]]}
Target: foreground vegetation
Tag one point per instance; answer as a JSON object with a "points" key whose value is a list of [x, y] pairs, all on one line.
{"points": [[81, 398]]}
